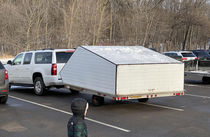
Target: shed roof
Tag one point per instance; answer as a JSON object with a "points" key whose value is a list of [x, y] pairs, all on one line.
{"points": [[130, 54]]}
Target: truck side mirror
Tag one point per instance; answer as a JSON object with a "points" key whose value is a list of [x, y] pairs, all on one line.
{"points": [[9, 62]]}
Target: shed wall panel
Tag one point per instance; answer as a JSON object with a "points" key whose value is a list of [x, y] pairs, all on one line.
{"points": [[149, 78], [88, 70]]}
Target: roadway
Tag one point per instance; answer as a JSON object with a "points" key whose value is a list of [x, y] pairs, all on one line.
{"points": [[28, 115]]}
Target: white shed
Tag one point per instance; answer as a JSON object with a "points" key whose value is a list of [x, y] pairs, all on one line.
{"points": [[124, 71]]}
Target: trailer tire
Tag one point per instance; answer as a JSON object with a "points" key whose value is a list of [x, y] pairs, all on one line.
{"points": [[74, 91], [206, 80], [97, 100], [39, 87], [143, 99]]}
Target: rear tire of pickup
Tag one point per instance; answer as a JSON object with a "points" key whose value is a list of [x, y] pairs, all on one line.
{"points": [[143, 99], [3, 99], [206, 80], [97, 100], [39, 86]]}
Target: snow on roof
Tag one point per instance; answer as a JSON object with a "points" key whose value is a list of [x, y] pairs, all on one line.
{"points": [[130, 54]]}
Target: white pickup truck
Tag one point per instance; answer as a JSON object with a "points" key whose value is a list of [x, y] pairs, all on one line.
{"points": [[39, 68], [122, 73]]}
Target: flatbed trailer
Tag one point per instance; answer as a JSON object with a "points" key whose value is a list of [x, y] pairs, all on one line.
{"points": [[123, 73]]}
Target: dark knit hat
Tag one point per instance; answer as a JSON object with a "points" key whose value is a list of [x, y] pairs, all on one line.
{"points": [[78, 106]]}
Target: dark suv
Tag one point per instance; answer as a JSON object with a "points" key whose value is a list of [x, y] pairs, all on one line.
{"points": [[201, 54], [4, 84]]}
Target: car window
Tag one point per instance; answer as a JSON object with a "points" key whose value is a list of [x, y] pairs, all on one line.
{"points": [[174, 54], [63, 57], [196, 53], [27, 58], [43, 58], [171, 54], [17, 60], [187, 55]]}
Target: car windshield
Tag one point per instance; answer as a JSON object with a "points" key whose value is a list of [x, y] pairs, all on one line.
{"points": [[63, 57], [187, 55]]}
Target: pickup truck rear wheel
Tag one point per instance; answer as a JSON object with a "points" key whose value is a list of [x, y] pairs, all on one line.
{"points": [[39, 86], [3, 99], [143, 99], [97, 100]]}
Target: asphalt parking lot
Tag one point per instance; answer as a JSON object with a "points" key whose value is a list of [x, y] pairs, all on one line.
{"points": [[28, 115]]}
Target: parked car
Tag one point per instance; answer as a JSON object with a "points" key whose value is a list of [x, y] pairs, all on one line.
{"points": [[202, 54], [153, 49], [181, 55], [208, 50], [40, 68], [4, 84]]}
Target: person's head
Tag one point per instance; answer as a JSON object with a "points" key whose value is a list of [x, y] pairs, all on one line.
{"points": [[79, 107]]}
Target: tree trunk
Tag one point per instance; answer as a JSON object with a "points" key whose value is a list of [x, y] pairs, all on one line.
{"points": [[185, 37]]}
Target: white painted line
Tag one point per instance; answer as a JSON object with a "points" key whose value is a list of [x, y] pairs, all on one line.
{"points": [[197, 96], [194, 85], [108, 125], [163, 107]]}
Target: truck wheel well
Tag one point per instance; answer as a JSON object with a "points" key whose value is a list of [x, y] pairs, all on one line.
{"points": [[35, 75]]}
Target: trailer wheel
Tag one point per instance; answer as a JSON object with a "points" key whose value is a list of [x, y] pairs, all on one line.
{"points": [[74, 91], [206, 80], [97, 100], [143, 99]]}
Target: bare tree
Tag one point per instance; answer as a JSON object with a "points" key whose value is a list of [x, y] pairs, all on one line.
{"points": [[163, 24]]}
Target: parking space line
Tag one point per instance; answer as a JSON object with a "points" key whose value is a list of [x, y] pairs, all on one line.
{"points": [[55, 109], [197, 96], [194, 85], [163, 107]]}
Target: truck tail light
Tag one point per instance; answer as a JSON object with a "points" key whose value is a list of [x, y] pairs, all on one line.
{"points": [[54, 69], [178, 94], [6, 75], [196, 58]]}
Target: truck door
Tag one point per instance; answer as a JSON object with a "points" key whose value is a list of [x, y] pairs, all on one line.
{"points": [[14, 69], [25, 69]]}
